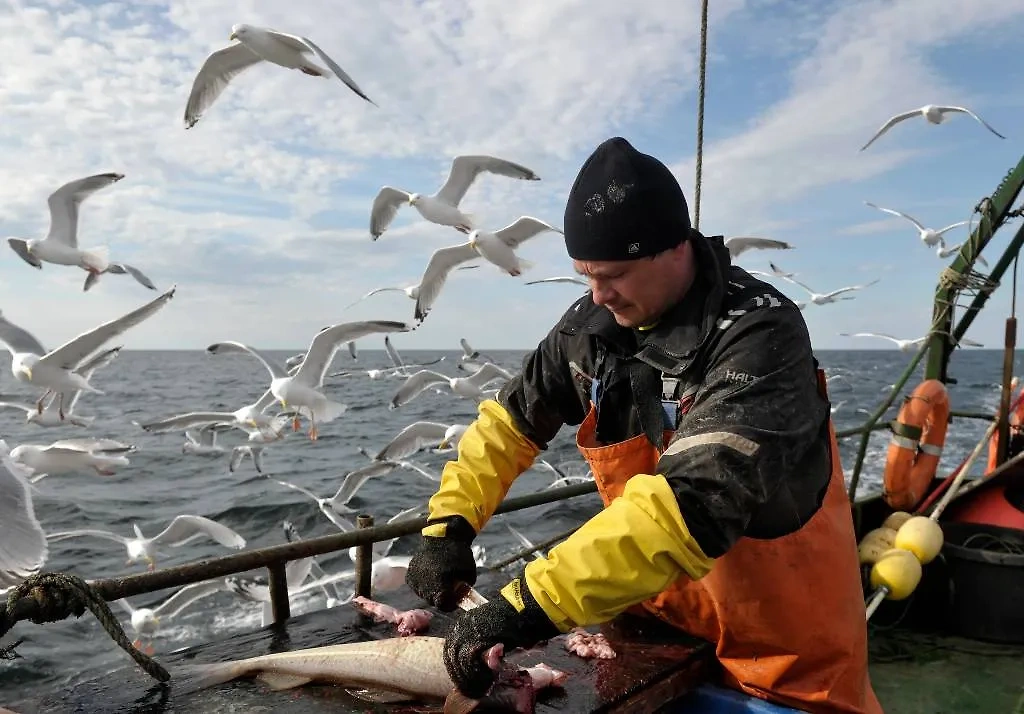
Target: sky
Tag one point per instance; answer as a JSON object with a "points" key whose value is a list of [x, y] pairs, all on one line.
{"points": [[259, 214]]}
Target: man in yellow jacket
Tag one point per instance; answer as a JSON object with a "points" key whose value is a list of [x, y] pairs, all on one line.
{"points": [[705, 422]]}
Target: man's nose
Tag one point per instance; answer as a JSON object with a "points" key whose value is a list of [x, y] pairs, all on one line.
{"points": [[602, 294]]}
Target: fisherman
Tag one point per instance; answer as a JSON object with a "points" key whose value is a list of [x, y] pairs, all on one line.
{"points": [[705, 421]]}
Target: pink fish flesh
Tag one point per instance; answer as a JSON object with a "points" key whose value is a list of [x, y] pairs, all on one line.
{"points": [[409, 622]]}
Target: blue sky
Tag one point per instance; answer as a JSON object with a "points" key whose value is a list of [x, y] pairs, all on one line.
{"points": [[260, 212]]}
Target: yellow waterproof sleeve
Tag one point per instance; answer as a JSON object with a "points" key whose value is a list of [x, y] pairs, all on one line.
{"points": [[627, 553], [492, 454]]}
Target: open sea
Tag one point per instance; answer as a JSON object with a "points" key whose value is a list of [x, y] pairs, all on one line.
{"points": [[163, 482]]}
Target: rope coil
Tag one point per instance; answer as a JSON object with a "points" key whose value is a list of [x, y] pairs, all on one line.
{"points": [[59, 595]]}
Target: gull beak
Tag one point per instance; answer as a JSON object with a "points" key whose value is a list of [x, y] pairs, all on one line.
{"points": [[28, 372], [443, 444], [232, 36]]}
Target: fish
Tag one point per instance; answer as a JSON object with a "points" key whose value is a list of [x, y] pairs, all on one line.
{"points": [[398, 669]]}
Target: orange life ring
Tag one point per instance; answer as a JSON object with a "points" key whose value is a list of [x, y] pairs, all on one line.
{"points": [[919, 433]]}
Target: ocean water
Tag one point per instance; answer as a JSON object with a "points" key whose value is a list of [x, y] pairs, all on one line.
{"points": [[162, 482]]}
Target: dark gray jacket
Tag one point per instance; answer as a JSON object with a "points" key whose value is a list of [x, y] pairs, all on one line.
{"points": [[750, 456]]}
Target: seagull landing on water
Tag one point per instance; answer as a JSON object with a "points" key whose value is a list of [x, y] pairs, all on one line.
{"points": [[257, 44], [60, 246], [740, 245], [497, 248], [933, 114], [443, 207], [826, 298], [928, 236]]}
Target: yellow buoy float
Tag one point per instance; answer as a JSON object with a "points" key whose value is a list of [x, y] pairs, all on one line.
{"points": [[921, 536], [898, 571], [875, 543]]}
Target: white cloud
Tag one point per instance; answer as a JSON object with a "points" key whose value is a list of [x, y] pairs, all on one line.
{"points": [[259, 213]]}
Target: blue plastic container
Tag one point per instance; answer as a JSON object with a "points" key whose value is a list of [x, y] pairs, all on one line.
{"points": [[712, 699]]}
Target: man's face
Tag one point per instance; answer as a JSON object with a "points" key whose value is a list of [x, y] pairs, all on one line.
{"points": [[637, 292]]}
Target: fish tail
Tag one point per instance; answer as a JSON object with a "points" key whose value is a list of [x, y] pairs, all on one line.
{"points": [[190, 678]]}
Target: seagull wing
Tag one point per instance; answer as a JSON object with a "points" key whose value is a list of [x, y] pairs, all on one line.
{"points": [[23, 546], [521, 229], [951, 226], [95, 533], [304, 43], [488, 372], [412, 438], [140, 277], [230, 346], [326, 342], [184, 528], [217, 71], [416, 384], [385, 207], [64, 203], [355, 479], [741, 244], [20, 247], [18, 339], [184, 421], [441, 263], [897, 213], [465, 169], [71, 353], [978, 119], [186, 596], [392, 353], [889, 124], [560, 279]]}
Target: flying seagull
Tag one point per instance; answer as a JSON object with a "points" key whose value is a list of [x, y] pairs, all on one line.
{"points": [[933, 114]]}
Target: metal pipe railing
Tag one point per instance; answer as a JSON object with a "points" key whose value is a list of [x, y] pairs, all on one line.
{"points": [[275, 557]]}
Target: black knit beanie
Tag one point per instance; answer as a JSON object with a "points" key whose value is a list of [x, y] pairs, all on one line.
{"points": [[624, 205]]}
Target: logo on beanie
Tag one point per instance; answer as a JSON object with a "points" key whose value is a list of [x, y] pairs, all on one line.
{"points": [[634, 248]]}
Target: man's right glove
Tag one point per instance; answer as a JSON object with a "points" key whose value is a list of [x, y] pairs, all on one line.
{"points": [[443, 567]]}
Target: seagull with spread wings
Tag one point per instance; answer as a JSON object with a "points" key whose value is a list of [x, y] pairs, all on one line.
{"points": [[443, 207], [54, 370], [497, 248], [928, 236], [255, 45], [60, 246], [301, 391], [933, 114]]}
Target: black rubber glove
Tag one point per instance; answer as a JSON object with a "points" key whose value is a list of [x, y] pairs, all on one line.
{"points": [[479, 629], [444, 568]]}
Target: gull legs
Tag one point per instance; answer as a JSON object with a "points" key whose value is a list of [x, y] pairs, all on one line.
{"points": [[39, 404]]}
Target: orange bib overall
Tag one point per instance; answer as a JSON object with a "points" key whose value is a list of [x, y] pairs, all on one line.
{"points": [[787, 615]]}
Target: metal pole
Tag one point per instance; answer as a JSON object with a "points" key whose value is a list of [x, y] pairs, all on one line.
{"points": [[1003, 430], [364, 558], [278, 592]]}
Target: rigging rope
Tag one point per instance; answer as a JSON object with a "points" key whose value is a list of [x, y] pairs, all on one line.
{"points": [[61, 594], [700, 111]]}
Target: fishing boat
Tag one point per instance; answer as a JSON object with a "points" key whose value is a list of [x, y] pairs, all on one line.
{"points": [[942, 564]]}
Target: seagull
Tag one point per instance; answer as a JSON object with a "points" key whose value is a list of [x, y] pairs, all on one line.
{"points": [[443, 207], [182, 529], [411, 291], [824, 299], [146, 621], [739, 246], [928, 236], [933, 114], [23, 548], [246, 417], [204, 441], [497, 248], [31, 362], [68, 455], [301, 390], [60, 246], [470, 387], [560, 279], [50, 416], [420, 435], [776, 272], [257, 44], [943, 252], [902, 345]]}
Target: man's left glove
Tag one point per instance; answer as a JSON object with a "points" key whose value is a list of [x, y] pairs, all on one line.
{"points": [[513, 619]]}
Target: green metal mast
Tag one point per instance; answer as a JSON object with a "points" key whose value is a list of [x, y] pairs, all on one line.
{"points": [[994, 211]]}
